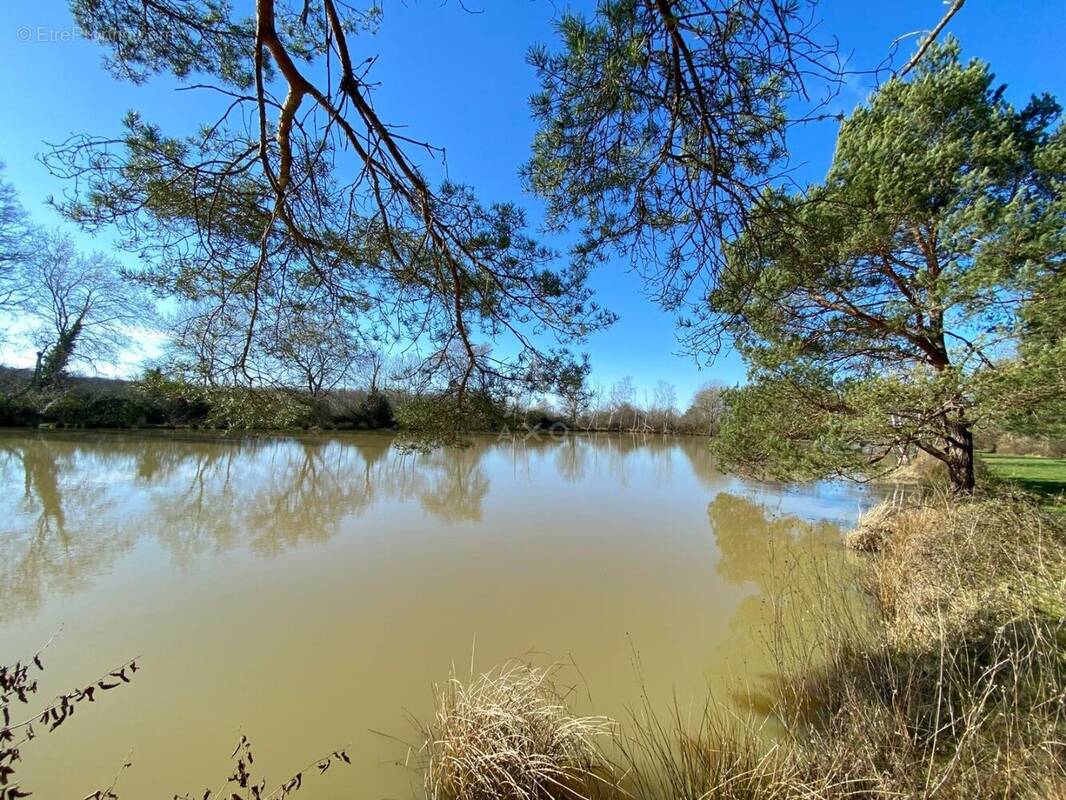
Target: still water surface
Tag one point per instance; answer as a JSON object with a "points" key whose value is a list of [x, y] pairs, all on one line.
{"points": [[309, 591]]}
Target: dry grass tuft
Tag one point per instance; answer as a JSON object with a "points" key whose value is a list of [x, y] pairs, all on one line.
{"points": [[872, 529], [919, 468], [952, 567], [509, 734], [922, 468], [959, 691], [718, 756]]}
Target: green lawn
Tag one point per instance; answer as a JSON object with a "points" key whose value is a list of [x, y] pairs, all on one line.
{"points": [[1044, 476]]}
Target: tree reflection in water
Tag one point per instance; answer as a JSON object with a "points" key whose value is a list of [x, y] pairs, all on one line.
{"points": [[378, 569], [794, 569], [48, 540], [200, 494]]}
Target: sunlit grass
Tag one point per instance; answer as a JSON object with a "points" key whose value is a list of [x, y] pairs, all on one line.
{"points": [[1042, 476]]}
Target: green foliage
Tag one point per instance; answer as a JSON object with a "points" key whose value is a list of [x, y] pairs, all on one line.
{"points": [[877, 305], [53, 367], [1030, 390], [246, 408], [160, 400], [374, 411], [78, 407], [768, 431], [658, 128], [84, 410], [704, 414], [541, 419], [146, 40], [236, 407], [431, 420], [565, 375], [285, 252], [16, 412], [175, 401]]}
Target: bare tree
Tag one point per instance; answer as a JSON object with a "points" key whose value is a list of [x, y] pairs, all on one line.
{"points": [[596, 406], [15, 245], [315, 350], [664, 404], [372, 365], [623, 393], [81, 309], [704, 414]]}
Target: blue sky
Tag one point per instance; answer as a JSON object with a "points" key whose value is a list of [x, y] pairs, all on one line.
{"points": [[460, 80]]}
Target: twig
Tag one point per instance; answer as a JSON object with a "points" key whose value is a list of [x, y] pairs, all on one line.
{"points": [[928, 40]]}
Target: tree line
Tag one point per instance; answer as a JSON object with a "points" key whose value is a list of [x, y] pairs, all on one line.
{"points": [[621, 407], [79, 311]]}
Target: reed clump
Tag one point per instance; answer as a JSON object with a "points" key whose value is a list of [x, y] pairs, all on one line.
{"points": [[510, 734], [955, 687], [873, 528]]}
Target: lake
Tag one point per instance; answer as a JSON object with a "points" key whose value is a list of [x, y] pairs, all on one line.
{"points": [[309, 591]]}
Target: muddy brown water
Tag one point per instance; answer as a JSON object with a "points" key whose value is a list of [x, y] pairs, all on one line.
{"points": [[308, 592]]}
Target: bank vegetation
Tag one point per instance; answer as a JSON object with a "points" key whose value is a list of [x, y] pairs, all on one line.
{"points": [[391, 401], [953, 686]]}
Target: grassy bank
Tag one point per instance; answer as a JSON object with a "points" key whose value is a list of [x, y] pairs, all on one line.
{"points": [[1043, 477], [955, 687]]}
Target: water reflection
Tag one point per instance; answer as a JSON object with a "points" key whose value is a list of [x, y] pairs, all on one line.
{"points": [[792, 569], [200, 495], [47, 542], [228, 562]]}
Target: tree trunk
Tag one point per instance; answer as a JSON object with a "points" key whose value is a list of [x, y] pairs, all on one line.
{"points": [[57, 358], [960, 457]]}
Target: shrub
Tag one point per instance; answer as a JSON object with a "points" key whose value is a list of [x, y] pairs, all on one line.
{"points": [[243, 408], [74, 409], [375, 411], [84, 410], [16, 412], [171, 401], [1016, 444], [542, 420], [177, 402], [428, 421]]}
